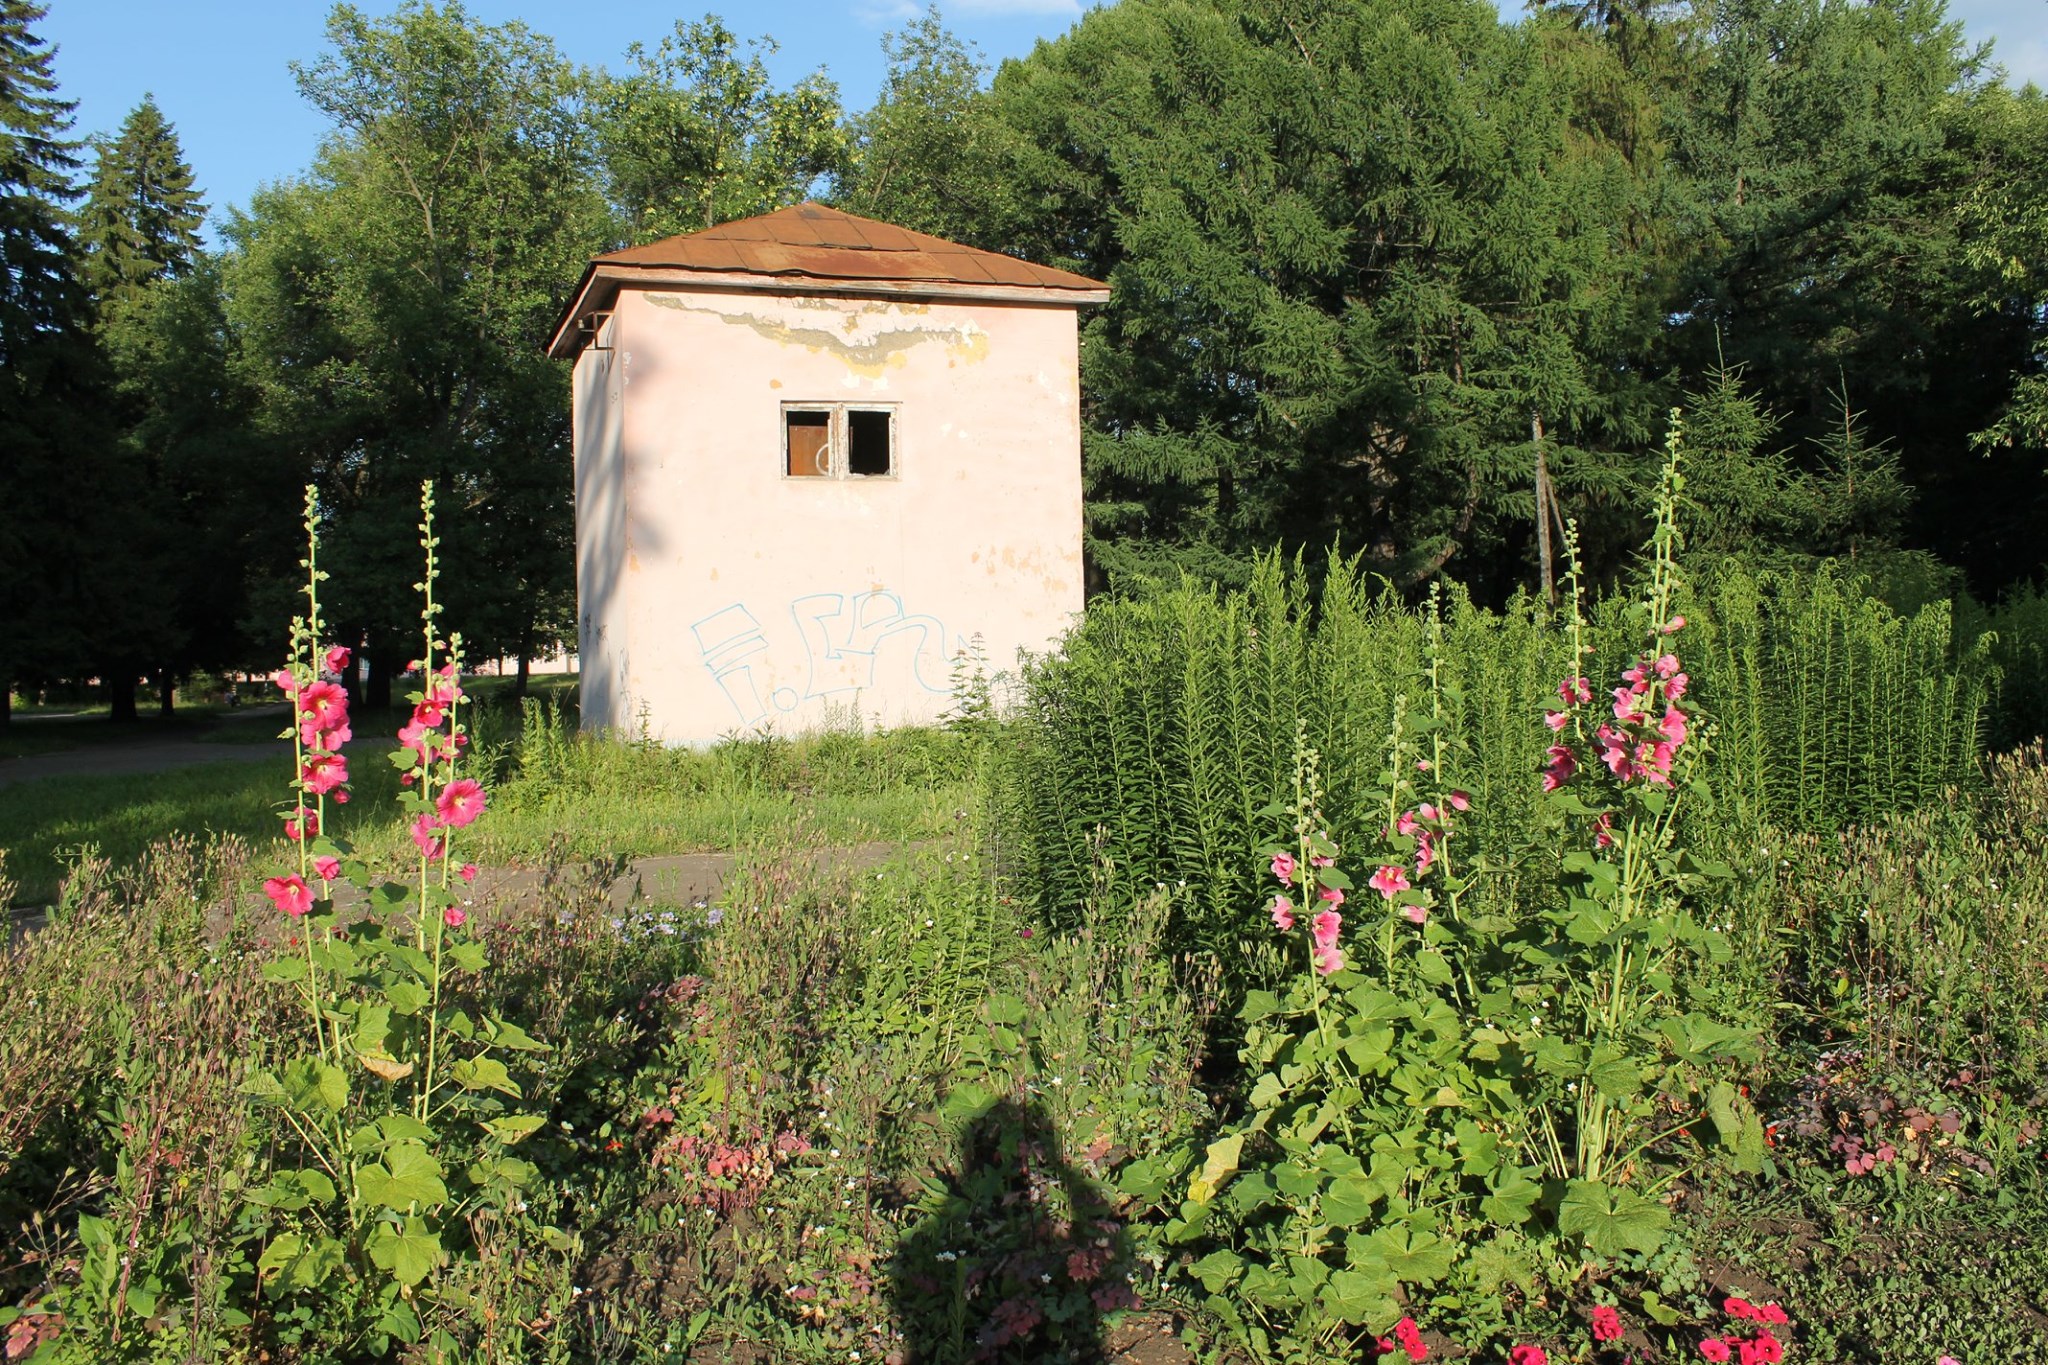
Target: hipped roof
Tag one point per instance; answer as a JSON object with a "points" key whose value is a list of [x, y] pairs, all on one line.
{"points": [[809, 248]]}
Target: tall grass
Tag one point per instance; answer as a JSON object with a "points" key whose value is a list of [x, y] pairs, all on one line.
{"points": [[1161, 730]]}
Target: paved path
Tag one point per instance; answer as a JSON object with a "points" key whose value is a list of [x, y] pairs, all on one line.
{"points": [[103, 760]]}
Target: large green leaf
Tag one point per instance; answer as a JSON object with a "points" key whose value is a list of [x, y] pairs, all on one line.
{"points": [[409, 1253], [1611, 1220], [407, 1176]]}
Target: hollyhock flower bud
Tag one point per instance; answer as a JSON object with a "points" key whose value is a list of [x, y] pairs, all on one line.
{"points": [[1423, 765], [289, 894], [1284, 866], [327, 868], [1389, 881], [1417, 914], [1429, 812], [1674, 625], [1460, 801], [1283, 913], [467, 872], [454, 916], [303, 823]]}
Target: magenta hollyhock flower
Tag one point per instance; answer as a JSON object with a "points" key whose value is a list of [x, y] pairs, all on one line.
{"points": [[1407, 824], [467, 872], [425, 836], [1555, 719], [1283, 913], [1429, 812], [322, 705], [327, 869], [324, 772], [337, 659], [1635, 675], [1563, 763], [1606, 1324], [413, 735], [1284, 866], [1674, 625], [1459, 801], [1667, 664], [1425, 854], [315, 738], [1629, 704], [1675, 687], [1328, 961], [1389, 881], [286, 683], [429, 714], [454, 916], [1603, 829], [460, 802], [289, 894], [1326, 926], [303, 823], [1614, 752], [1948, 1360], [1672, 727]]}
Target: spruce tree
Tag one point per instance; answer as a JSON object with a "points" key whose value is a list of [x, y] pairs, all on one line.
{"points": [[142, 216], [41, 312]]}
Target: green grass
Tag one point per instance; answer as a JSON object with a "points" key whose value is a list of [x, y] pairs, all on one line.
{"points": [[588, 798]]}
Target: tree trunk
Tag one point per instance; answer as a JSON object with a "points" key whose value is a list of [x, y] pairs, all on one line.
{"points": [[167, 692], [519, 680], [1544, 571], [6, 703], [377, 690], [120, 687]]}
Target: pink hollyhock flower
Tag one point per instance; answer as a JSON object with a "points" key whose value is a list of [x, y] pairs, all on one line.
{"points": [[1634, 675], [1948, 1360], [1575, 691], [1329, 961], [460, 802], [1416, 914], [303, 823], [1284, 866], [289, 894], [1283, 913], [1628, 704], [1422, 765], [467, 872], [1675, 687], [1332, 895], [1606, 1324], [330, 740], [425, 838], [1460, 801], [1407, 823], [324, 772], [1563, 763], [1603, 829], [1425, 854], [1614, 752], [323, 705], [1715, 1349], [1389, 881], [1326, 926], [1555, 719], [413, 735], [429, 714], [1673, 726], [1667, 664], [327, 868], [1528, 1355], [454, 916], [1429, 812], [1410, 1337], [1320, 861], [337, 659], [286, 683], [1674, 625]]}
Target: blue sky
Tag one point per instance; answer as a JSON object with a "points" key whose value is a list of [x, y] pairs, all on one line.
{"points": [[218, 68]]}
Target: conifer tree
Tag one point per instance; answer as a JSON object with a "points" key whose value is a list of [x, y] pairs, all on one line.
{"points": [[142, 215]]}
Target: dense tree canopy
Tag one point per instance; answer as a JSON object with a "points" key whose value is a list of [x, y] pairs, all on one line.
{"points": [[1397, 275]]}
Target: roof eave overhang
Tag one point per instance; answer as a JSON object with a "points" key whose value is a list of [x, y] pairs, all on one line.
{"points": [[601, 283]]}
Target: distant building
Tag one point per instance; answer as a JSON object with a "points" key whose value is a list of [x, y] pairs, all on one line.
{"points": [[818, 460]]}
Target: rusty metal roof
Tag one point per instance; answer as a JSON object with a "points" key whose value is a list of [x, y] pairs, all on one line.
{"points": [[816, 242]]}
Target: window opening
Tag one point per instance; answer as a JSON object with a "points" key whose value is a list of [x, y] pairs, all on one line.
{"points": [[807, 444], [868, 453]]}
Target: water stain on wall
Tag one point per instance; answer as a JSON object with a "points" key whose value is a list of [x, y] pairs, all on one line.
{"points": [[865, 355]]}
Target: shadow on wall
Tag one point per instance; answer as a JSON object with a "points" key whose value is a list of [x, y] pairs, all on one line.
{"points": [[1018, 1260]]}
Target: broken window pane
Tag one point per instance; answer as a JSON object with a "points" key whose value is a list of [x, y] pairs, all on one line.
{"points": [[867, 443], [808, 444]]}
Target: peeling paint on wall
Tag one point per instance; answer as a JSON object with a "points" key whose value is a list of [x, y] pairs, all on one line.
{"points": [[866, 349]]}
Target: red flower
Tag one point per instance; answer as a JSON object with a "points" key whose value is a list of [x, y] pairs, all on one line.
{"points": [[324, 772], [327, 868], [322, 705], [289, 894], [337, 659], [1771, 1313], [467, 872], [1606, 1324], [460, 802], [1528, 1355], [302, 823], [1738, 1308], [1410, 1337], [1715, 1349], [454, 915]]}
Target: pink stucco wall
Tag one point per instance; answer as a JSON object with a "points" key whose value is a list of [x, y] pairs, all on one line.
{"points": [[719, 595]]}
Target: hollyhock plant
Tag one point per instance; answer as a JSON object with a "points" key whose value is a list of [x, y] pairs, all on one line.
{"points": [[1389, 881], [460, 802], [289, 894]]}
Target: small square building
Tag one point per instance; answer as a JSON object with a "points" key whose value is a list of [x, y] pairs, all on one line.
{"points": [[823, 466]]}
